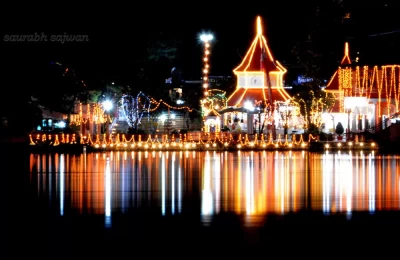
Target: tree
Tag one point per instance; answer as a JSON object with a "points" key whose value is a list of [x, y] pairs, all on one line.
{"points": [[58, 88], [134, 108], [153, 67], [319, 46], [21, 120], [313, 101], [18, 113]]}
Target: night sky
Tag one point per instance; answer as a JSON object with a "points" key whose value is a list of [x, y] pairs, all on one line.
{"points": [[114, 33]]}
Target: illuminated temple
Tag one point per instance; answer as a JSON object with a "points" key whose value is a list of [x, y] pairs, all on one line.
{"points": [[365, 95], [259, 86]]}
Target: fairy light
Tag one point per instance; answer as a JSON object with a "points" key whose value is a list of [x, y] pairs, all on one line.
{"points": [[380, 83], [89, 113], [221, 141]]}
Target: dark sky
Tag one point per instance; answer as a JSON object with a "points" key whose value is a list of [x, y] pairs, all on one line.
{"points": [[114, 32]]}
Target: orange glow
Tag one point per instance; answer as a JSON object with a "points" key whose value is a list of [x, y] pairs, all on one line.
{"points": [[259, 26], [248, 59], [164, 142], [259, 61], [346, 59], [331, 80]]}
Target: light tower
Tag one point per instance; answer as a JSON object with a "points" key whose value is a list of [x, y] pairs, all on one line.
{"points": [[205, 38]]}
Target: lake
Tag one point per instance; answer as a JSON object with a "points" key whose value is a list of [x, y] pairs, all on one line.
{"points": [[200, 203]]}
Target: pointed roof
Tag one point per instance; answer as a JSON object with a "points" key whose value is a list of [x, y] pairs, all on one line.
{"points": [[259, 59], [259, 48], [333, 84], [346, 58]]}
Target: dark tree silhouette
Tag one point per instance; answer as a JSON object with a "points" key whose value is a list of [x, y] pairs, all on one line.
{"points": [[316, 50]]}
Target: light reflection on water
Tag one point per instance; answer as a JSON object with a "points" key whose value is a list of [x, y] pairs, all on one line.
{"points": [[248, 183]]}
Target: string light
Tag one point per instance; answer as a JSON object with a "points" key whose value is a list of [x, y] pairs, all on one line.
{"points": [[373, 82], [380, 83], [217, 141], [89, 113], [94, 112]]}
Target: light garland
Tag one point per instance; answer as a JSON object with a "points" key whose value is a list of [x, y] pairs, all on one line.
{"points": [[89, 113], [94, 112], [381, 83], [162, 102], [218, 141], [221, 140]]}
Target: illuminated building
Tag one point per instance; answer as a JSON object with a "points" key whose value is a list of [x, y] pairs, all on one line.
{"points": [[259, 88], [89, 118], [365, 95]]}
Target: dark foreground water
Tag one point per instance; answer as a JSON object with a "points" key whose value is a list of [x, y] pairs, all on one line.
{"points": [[184, 205]]}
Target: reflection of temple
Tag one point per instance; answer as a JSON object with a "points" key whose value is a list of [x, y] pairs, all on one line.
{"points": [[251, 183], [259, 87], [364, 94], [354, 182]]}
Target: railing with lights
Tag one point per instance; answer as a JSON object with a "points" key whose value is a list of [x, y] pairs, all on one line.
{"points": [[200, 141]]}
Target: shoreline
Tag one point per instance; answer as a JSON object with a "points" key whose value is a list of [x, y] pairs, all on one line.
{"points": [[310, 147], [24, 143]]}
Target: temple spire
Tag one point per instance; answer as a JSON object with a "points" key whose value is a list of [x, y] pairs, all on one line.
{"points": [[346, 58], [259, 27]]}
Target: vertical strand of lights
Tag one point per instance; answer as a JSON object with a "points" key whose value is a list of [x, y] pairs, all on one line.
{"points": [[206, 38]]}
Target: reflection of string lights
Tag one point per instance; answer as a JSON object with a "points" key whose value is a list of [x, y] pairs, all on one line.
{"points": [[107, 198], [163, 185], [334, 177], [62, 184]]}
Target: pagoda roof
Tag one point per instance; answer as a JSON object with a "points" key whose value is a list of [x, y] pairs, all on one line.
{"points": [[346, 58], [333, 84], [242, 95], [259, 57]]}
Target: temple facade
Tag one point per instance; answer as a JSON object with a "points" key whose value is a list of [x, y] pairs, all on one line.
{"points": [[365, 95], [260, 102]]}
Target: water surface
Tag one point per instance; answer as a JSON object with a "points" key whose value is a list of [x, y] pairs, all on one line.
{"points": [[114, 202]]}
